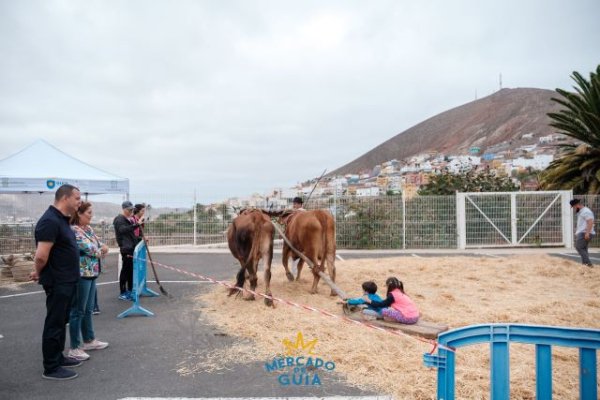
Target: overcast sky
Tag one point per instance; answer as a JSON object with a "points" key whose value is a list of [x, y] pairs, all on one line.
{"points": [[234, 97]]}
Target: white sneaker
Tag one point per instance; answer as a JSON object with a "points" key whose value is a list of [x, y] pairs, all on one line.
{"points": [[78, 354], [94, 345]]}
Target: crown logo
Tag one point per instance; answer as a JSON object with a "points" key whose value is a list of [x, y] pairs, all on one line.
{"points": [[299, 346]]}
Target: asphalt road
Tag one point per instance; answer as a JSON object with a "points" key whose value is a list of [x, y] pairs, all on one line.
{"points": [[144, 352]]}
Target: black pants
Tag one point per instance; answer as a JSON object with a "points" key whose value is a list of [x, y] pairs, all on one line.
{"points": [[126, 277], [58, 306]]}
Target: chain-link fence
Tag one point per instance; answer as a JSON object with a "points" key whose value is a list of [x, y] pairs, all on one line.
{"points": [[385, 222]]}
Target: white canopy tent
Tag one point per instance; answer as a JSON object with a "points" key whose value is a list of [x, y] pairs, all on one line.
{"points": [[41, 167]]}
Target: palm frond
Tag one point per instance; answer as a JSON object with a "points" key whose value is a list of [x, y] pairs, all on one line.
{"points": [[578, 167]]}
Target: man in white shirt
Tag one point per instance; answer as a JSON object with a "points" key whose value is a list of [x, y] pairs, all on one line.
{"points": [[584, 231]]}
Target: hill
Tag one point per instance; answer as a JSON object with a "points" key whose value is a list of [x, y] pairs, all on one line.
{"points": [[501, 118], [28, 208]]}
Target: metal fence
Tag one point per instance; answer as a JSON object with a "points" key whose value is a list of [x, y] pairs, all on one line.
{"points": [[386, 222]]}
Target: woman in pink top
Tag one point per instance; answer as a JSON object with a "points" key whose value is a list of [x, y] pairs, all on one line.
{"points": [[398, 306]]}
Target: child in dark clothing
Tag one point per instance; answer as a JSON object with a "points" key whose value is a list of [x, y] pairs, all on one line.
{"points": [[370, 291], [397, 306]]}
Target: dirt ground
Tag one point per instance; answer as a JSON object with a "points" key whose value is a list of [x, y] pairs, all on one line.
{"points": [[456, 291]]}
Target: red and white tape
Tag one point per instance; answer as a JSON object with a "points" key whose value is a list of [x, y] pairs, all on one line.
{"points": [[434, 343]]}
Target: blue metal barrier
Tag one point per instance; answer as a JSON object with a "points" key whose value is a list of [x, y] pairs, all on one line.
{"points": [[139, 283], [499, 336]]}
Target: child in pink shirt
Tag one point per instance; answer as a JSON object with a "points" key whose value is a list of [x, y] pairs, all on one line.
{"points": [[398, 306]]}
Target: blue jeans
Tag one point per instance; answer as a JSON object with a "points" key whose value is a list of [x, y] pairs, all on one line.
{"points": [[96, 308], [80, 322]]}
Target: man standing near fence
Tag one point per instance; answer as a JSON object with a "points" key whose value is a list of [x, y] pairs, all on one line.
{"points": [[126, 239], [584, 231], [57, 270]]}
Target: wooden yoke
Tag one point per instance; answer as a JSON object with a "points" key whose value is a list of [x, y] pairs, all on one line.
{"points": [[310, 264]]}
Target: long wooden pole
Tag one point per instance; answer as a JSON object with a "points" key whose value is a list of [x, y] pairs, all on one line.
{"points": [[310, 264], [314, 187]]}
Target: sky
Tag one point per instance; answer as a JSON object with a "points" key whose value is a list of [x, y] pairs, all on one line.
{"points": [[230, 98]]}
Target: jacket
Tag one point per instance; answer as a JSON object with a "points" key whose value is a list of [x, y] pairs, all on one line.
{"points": [[124, 229], [372, 297]]}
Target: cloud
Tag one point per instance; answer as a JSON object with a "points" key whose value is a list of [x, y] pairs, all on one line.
{"points": [[236, 97]]}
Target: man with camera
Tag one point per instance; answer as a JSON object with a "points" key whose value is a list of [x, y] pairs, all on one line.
{"points": [[127, 240]]}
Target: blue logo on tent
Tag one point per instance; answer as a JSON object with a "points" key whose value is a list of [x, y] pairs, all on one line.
{"points": [[50, 183]]}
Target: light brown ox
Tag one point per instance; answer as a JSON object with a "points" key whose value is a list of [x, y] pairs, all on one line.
{"points": [[250, 239], [313, 234]]}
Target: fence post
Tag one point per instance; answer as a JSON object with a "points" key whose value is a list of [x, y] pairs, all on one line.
{"points": [[403, 220], [335, 206], [195, 220], [33, 246], [588, 380], [513, 218], [567, 218], [543, 372], [223, 213], [461, 234]]}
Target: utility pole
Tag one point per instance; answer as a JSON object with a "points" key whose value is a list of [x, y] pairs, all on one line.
{"points": [[500, 81]]}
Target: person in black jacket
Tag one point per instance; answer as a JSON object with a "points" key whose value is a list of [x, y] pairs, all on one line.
{"points": [[126, 239]]}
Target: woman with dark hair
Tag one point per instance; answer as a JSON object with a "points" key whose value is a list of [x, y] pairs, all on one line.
{"points": [[138, 218], [90, 251], [398, 306]]}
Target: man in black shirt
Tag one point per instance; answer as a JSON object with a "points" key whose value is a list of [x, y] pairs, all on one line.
{"points": [[126, 239], [57, 270]]}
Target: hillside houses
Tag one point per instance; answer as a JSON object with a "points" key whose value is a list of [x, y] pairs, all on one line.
{"points": [[396, 176], [407, 176]]}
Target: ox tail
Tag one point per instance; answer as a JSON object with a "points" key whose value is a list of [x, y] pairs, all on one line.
{"points": [[256, 243], [232, 239], [328, 242], [240, 278], [250, 259]]}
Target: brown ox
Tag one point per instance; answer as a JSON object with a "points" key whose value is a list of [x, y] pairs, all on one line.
{"points": [[313, 234], [250, 238]]}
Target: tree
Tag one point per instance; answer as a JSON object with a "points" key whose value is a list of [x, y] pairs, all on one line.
{"points": [[471, 181], [578, 167]]}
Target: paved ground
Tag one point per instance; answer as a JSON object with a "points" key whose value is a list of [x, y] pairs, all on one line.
{"points": [[144, 352]]}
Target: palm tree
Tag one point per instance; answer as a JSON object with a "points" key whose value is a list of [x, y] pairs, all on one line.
{"points": [[578, 167]]}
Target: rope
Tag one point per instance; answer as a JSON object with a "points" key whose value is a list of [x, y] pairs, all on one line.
{"points": [[228, 285]]}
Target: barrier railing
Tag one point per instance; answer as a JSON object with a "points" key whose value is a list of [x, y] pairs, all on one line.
{"points": [[499, 336], [139, 284]]}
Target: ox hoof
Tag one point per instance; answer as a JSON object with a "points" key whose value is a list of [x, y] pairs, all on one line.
{"points": [[268, 302], [333, 293], [313, 292], [290, 277]]}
